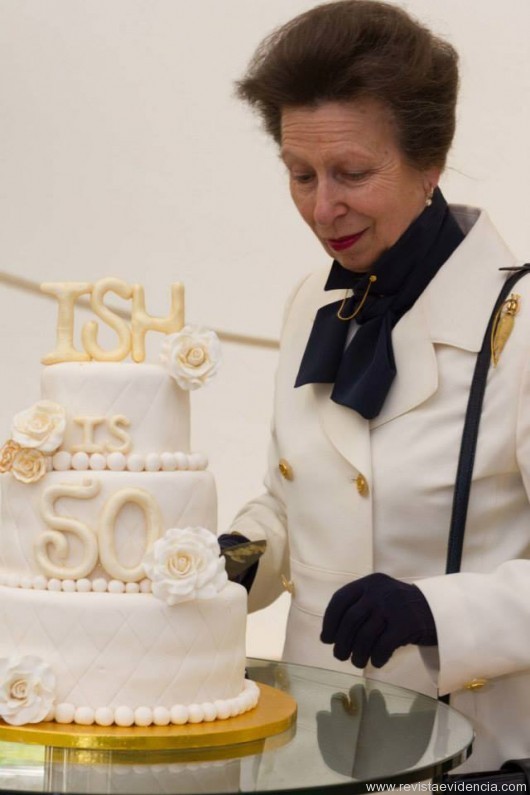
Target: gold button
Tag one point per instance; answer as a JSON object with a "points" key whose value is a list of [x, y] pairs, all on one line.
{"points": [[288, 585], [362, 485], [476, 684], [285, 469]]}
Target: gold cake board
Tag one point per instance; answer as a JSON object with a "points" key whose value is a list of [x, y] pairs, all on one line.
{"points": [[274, 714]]}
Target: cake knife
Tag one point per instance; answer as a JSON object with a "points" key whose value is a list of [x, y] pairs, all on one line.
{"points": [[242, 556]]}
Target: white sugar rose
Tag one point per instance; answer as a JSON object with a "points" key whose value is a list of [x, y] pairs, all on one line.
{"points": [[185, 564], [192, 356], [40, 427], [27, 690]]}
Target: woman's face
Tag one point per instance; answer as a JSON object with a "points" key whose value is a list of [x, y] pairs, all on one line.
{"points": [[349, 179]]}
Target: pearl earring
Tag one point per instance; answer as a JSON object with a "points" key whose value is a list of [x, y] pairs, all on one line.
{"points": [[428, 199]]}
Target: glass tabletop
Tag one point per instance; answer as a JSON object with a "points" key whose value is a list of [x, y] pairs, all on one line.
{"points": [[350, 732]]}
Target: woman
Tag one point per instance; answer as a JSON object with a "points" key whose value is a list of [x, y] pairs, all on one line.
{"points": [[372, 388]]}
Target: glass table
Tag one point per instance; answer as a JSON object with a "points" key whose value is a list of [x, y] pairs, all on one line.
{"points": [[350, 732]]}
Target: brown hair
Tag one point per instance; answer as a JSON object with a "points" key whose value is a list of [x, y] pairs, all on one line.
{"points": [[350, 49]]}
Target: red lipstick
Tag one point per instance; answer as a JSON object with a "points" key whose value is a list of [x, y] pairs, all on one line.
{"points": [[342, 243]]}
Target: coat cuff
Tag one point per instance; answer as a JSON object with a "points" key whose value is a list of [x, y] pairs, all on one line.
{"points": [[482, 625]]}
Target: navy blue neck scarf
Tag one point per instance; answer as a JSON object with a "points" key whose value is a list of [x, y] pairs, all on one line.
{"points": [[362, 373]]}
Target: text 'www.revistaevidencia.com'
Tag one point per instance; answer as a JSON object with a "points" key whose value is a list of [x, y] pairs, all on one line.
{"points": [[449, 786]]}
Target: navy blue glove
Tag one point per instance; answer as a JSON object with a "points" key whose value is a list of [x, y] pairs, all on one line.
{"points": [[371, 617]]}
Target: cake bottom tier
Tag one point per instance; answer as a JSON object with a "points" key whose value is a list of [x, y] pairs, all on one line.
{"points": [[130, 658]]}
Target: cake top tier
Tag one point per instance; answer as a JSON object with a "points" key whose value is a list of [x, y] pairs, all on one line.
{"points": [[130, 332], [97, 408]]}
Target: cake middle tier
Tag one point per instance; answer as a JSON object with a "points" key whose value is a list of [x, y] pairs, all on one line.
{"points": [[92, 525]]}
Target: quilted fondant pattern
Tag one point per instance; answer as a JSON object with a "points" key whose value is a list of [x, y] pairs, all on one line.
{"points": [[130, 649], [156, 407]]}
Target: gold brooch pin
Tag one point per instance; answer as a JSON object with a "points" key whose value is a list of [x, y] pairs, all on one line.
{"points": [[371, 280], [503, 326]]}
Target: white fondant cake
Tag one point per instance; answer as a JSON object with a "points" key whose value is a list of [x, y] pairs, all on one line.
{"points": [[114, 604]]}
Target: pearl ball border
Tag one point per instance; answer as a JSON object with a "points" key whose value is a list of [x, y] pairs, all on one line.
{"points": [[84, 585], [63, 461], [177, 715]]}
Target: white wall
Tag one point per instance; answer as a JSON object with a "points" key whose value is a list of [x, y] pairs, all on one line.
{"points": [[123, 152]]}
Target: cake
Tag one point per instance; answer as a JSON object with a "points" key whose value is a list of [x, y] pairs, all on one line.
{"points": [[115, 607]]}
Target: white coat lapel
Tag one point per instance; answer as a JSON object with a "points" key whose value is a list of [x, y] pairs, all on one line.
{"points": [[417, 372], [416, 380], [347, 430], [453, 310], [459, 300]]}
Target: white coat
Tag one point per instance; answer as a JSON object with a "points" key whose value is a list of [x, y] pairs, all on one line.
{"points": [[363, 496]]}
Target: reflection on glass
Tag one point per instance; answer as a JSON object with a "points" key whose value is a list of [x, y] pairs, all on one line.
{"points": [[22, 767], [71, 770], [363, 737]]}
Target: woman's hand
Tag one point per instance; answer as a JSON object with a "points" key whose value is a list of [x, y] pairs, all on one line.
{"points": [[370, 618]]}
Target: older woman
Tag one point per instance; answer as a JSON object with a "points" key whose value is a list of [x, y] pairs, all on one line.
{"points": [[376, 363]]}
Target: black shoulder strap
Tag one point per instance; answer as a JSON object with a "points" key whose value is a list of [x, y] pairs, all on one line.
{"points": [[470, 434]]}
